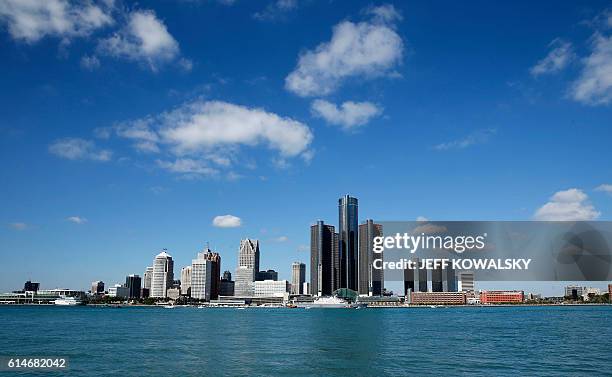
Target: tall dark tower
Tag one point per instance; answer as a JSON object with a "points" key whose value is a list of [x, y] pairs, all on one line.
{"points": [[348, 236], [323, 259]]}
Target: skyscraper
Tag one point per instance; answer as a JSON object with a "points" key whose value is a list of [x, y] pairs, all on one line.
{"points": [[215, 277], [298, 277], [186, 280], [248, 267], [97, 287], [348, 236], [466, 280], [163, 274], [201, 277], [437, 284], [451, 280], [146, 278], [371, 280], [133, 285], [324, 262]]}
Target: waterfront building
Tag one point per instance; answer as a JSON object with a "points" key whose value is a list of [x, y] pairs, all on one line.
{"points": [[31, 286], [371, 280], [146, 278], [201, 277], [226, 288], [610, 292], [574, 291], [133, 284], [215, 277], [163, 274], [118, 290], [348, 237], [501, 297], [145, 292], [248, 267], [324, 260], [467, 281], [186, 280], [298, 277], [306, 288], [271, 288], [437, 298], [97, 287], [173, 293], [408, 281]]}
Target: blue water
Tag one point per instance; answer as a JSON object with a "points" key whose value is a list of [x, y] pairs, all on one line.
{"points": [[504, 341]]}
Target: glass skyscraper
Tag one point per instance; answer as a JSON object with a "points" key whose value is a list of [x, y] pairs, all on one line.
{"points": [[324, 262], [348, 237]]}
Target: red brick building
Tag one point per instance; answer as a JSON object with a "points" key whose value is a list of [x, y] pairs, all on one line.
{"points": [[501, 297]]}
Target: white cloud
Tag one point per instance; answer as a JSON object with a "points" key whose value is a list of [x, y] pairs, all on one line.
{"points": [[90, 62], [76, 219], [558, 58], [281, 239], [349, 115], [568, 205], [364, 49], [607, 188], [18, 226], [594, 86], [188, 167], [477, 137], [385, 13], [227, 221], [275, 10], [213, 129], [31, 20], [145, 39], [79, 149]]}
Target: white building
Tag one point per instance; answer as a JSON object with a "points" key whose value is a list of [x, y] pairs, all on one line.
{"points": [[466, 281], [271, 288], [248, 266], [306, 288], [163, 274], [298, 277], [185, 280], [201, 275], [146, 278]]}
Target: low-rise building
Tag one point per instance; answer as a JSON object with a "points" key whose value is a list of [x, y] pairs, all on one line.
{"points": [[271, 288], [437, 298], [501, 297]]}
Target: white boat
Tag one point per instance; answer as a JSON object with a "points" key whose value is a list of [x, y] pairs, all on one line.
{"points": [[169, 306], [67, 301], [325, 303]]}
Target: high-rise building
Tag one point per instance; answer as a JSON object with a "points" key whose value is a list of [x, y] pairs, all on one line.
{"points": [[133, 284], [226, 288], [574, 291], [97, 287], [227, 275], [248, 267], [298, 277], [324, 261], [31, 286], [348, 237], [201, 277], [422, 277], [409, 281], [371, 280], [451, 280], [437, 284], [610, 292], [163, 274], [267, 275], [186, 280], [466, 281], [215, 277], [146, 278]]}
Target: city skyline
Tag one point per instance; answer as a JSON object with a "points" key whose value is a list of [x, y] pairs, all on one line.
{"points": [[115, 151]]}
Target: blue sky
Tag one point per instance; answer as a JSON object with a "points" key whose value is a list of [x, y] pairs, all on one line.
{"points": [[127, 128]]}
